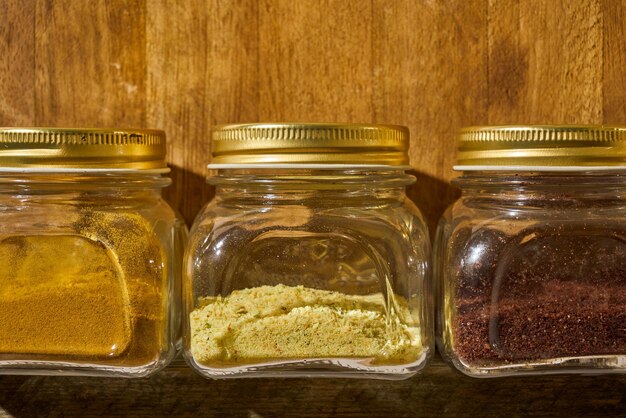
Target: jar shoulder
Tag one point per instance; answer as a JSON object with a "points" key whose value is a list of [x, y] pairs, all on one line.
{"points": [[403, 217], [481, 238], [152, 222]]}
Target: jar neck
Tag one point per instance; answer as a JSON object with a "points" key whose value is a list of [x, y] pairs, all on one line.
{"points": [[297, 185], [124, 184], [585, 187]]}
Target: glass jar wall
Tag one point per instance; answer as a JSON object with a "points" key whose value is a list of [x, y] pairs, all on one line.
{"points": [[530, 261], [88, 253], [308, 269]]}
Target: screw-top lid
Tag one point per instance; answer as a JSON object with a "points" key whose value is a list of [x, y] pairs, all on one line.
{"points": [[275, 144], [542, 147], [84, 149]]}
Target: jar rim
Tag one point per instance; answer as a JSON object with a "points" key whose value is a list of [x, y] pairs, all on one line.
{"points": [[538, 168], [73, 170], [308, 167]]}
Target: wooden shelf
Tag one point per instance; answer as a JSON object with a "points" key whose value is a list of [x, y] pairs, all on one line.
{"points": [[438, 391]]}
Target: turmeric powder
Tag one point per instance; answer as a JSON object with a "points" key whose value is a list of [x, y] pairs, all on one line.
{"points": [[92, 293]]}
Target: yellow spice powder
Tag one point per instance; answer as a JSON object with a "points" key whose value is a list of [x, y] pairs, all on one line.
{"points": [[50, 288], [282, 322], [93, 294]]}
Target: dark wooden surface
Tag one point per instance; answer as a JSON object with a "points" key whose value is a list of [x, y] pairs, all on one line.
{"points": [[434, 66], [177, 391]]}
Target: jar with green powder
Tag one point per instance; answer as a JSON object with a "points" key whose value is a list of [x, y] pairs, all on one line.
{"points": [[310, 260]]}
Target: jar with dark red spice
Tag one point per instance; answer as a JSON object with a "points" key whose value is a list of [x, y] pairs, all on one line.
{"points": [[531, 260]]}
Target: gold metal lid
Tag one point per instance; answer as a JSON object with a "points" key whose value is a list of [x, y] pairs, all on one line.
{"points": [[320, 144], [557, 146], [61, 148]]}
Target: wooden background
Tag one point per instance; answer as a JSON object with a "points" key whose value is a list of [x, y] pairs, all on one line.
{"points": [[433, 65]]}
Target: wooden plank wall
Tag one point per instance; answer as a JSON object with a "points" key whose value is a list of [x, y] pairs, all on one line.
{"points": [[434, 66]]}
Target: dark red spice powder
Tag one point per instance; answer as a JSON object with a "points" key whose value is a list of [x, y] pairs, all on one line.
{"points": [[554, 290]]}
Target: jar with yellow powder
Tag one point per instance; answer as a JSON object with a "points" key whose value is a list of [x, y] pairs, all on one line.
{"points": [[88, 253], [310, 261]]}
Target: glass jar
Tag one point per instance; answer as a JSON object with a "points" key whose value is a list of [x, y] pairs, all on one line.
{"points": [[89, 253], [531, 260], [310, 261]]}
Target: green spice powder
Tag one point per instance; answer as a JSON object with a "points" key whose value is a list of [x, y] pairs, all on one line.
{"points": [[282, 322]]}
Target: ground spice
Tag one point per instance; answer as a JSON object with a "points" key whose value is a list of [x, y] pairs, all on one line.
{"points": [[282, 322], [92, 293], [550, 291]]}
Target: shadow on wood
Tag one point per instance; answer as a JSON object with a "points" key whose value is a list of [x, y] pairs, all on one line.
{"points": [[432, 196], [188, 193]]}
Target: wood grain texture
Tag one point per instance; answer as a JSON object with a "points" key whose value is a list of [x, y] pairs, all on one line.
{"points": [[177, 391], [614, 63], [90, 63], [545, 61], [434, 66], [17, 65], [315, 60]]}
